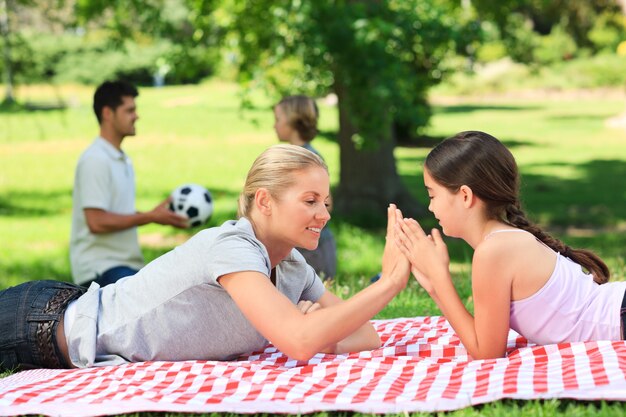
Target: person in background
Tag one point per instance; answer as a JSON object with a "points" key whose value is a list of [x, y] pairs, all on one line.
{"points": [[104, 245], [296, 120], [522, 278]]}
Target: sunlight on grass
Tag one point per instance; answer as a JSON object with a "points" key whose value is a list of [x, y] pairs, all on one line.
{"points": [[573, 183], [570, 162]]}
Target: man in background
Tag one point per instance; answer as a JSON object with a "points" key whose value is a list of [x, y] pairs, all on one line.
{"points": [[104, 245]]}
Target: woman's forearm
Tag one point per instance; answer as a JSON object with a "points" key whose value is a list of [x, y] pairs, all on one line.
{"points": [[365, 338]]}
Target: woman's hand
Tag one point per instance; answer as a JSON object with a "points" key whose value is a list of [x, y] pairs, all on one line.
{"points": [[395, 265], [307, 307], [428, 254]]}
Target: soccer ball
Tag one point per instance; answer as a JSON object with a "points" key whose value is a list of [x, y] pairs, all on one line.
{"points": [[192, 201]]}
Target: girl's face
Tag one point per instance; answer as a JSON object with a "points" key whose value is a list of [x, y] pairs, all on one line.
{"points": [[445, 205], [283, 130], [301, 212]]}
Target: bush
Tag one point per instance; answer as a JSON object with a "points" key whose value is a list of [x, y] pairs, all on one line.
{"points": [[189, 65], [555, 47], [520, 39], [491, 51], [607, 32], [491, 47], [604, 70], [95, 65], [72, 57]]}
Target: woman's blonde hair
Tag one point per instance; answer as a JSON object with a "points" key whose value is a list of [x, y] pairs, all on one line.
{"points": [[272, 170], [302, 114]]}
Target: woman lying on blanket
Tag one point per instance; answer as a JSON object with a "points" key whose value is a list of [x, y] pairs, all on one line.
{"points": [[522, 277], [225, 292]]}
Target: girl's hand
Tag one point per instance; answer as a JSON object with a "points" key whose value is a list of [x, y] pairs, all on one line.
{"points": [[428, 254], [395, 265], [423, 281]]}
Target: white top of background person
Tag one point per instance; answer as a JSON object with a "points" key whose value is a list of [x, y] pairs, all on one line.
{"points": [[230, 289], [104, 218]]}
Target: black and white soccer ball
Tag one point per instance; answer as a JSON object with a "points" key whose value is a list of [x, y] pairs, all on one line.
{"points": [[194, 202]]}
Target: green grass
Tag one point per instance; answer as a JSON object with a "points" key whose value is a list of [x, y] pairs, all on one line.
{"points": [[573, 171]]}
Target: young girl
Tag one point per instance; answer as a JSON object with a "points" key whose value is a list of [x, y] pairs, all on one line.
{"points": [[223, 293], [296, 123], [522, 277]]}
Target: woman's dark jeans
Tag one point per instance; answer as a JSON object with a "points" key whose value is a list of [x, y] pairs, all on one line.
{"points": [[29, 316]]}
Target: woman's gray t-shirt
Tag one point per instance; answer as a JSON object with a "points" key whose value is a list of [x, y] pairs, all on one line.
{"points": [[174, 309]]}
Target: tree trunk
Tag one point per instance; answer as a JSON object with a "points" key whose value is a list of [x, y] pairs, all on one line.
{"points": [[6, 32], [368, 179]]}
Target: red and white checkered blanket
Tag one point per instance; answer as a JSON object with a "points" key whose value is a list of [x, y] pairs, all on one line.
{"points": [[421, 367]]}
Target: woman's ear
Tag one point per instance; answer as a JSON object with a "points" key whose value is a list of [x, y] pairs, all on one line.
{"points": [[469, 199], [263, 201]]}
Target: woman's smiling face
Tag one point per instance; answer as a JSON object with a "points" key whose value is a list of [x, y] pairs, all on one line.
{"points": [[301, 211]]}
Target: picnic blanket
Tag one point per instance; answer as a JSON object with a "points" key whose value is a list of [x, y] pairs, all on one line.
{"points": [[421, 367]]}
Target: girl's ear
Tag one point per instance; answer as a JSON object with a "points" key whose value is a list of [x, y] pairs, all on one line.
{"points": [[469, 199], [263, 201]]}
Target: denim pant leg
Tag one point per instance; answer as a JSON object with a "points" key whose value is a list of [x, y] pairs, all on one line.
{"points": [[27, 322], [113, 275]]}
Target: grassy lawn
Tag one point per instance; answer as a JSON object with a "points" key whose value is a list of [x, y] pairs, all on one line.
{"points": [[573, 168]]}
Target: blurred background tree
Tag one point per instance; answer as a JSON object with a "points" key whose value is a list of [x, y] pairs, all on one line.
{"points": [[378, 58]]}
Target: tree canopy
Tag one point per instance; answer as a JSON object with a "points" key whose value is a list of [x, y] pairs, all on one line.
{"points": [[378, 57]]}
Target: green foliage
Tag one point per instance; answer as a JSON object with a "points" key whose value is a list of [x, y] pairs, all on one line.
{"points": [[589, 23], [182, 45], [21, 63], [520, 38], [188, 65], [598, 71], [607, 32], [489, 47], [74, 57], [379, 57], [554, 47], [94, 63]]}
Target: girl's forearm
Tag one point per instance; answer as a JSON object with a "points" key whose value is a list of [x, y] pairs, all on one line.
{"points": [[460, 319]]}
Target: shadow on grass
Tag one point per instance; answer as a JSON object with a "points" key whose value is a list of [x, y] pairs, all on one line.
{"points": [[34, 203], [328, 135], [595, 200], [31, 107], [582, 118], [468, 108], [15, 272]]}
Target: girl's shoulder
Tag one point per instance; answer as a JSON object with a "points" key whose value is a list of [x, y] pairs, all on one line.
{"points": [[513, 253], [495, 240], [505, 246]]}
